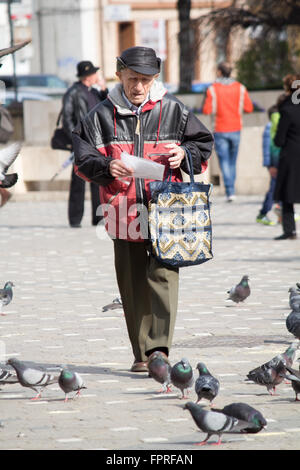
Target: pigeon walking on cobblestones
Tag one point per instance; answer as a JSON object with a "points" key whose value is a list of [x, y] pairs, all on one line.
{"points": [[270, 373], [206, 385], [70, 382], [36, 379], [159, 368], [116, 303], [212, 423], [293, 324], [6, 295], [294, 376], [182, 376], [246, 413], [240, 292], [294, 299]]}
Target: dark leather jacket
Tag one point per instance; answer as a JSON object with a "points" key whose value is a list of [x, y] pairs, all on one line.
{"points": [[75, 106]]}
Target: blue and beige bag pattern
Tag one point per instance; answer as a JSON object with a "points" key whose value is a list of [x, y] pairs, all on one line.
{"points": [[180, 222]]}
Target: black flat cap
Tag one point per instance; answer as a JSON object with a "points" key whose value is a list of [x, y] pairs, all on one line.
{"points": [[141, 59]]}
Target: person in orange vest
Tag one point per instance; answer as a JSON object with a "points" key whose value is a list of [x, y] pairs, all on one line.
{"points": [[227, 99]]}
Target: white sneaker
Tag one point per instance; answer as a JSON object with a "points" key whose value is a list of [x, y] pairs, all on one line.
{"points": [[231, 198]]}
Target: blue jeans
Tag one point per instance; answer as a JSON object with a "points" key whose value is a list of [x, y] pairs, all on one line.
{"points": [[227, 148], [268, 202]]}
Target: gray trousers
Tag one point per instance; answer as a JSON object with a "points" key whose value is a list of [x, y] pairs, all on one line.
{"points": [[149, 293]]}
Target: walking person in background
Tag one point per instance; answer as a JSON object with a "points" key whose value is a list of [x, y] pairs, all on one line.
{"points": [[227, 99], [80, 98], [287, 189], [270, 161], [139, 117]]}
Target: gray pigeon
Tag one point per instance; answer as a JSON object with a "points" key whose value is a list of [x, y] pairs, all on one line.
{"points": [[247, 413], [182, 376], [9, 181], [270, 373], [6, 295], [116, 303], [36, 379], [294, 299], [7, 377], [293, 324], [70, 382], [240, 292], [294, 376], [7, 156], [211, 422], [160, 369], [206, 385]]}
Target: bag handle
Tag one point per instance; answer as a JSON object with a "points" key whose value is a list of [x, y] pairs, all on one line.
{"points": [[59, 117], [189, 160]]}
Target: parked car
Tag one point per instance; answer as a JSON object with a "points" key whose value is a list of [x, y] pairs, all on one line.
{"points": [[44, 84], [8, 97]]}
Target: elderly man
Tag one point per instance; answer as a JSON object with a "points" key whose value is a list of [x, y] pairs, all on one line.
{"points": [[141, 118]]}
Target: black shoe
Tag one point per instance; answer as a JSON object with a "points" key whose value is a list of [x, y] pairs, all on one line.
{"points": [[75, 225], [287, 236]]}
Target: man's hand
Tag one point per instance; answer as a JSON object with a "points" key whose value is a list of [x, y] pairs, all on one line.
{"points": [[178, 156], [273, 171], [119, 170]]}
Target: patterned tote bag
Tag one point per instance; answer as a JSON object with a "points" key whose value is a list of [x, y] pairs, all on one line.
{"points": [[180, 221]]}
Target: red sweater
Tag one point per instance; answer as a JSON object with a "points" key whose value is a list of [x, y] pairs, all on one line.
{"points": [[227, 102]]}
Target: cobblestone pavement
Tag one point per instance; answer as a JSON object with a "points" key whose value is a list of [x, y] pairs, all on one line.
{"points": [[64, 276]]}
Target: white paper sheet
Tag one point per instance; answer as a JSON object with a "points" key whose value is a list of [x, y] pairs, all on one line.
{"points": [[142, 168]]}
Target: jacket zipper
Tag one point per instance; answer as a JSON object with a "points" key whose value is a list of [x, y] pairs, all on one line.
{"points": [[140, 184]]}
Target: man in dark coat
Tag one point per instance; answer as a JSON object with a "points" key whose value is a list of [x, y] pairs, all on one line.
{"points": [[287, 188], [139, 117], [78, 100]]}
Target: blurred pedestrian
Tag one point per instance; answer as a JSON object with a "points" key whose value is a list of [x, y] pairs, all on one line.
{"points": [[226, 98], [287, 189], [80, 98], [270, 161], [139, 117]]}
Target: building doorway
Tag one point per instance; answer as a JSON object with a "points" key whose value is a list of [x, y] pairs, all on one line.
{"points": [[126, 35]]}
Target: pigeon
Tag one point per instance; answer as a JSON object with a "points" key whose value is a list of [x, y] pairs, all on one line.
{"points": [[247, 413], [6, 295], [7, 377], [9, 181], [116, 303], [240, 292], [293, 324], [70, 382], [160, 370], [182, 376], [36, 379], [270, 373], [7, 156], [294, 376], [214, 423], [294, 299], [206, 386], [14, 48]]}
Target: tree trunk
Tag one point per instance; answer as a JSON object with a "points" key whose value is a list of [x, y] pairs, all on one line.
{"points": [[186, 57]]}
